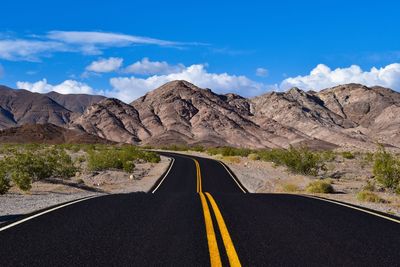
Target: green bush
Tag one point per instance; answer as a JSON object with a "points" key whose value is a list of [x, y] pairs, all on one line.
{"points": [[4, 180], [320, 186], [253, 156], [128, 166], [386, 169], [348, 155], [30, 163], [198, 148], [117, 157], [368, 157], [369, 196], [328, 155], [229, 151], [298, 160], [22, 179]]}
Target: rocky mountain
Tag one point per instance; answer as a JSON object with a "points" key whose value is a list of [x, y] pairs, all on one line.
{"points": [[18, 107], [75, 102], [48, 134], [179, 112], [114, 120]]}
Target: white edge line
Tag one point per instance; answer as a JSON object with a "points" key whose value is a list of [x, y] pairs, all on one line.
{"points": [[355, 208], [165, 176], [44, 212], [241, 188]]}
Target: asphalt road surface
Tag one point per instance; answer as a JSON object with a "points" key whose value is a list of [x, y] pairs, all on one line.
{"points": [[179, 224]]}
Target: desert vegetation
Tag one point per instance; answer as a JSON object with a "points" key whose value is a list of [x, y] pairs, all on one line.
{"points": [[21, 165]]}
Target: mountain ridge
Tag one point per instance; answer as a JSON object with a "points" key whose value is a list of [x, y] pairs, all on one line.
{"points": [[178, 112]]}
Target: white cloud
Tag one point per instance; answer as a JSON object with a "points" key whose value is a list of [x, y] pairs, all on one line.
{"points": [[106, 38], [105, 65], [29, 50], [128, 89], [323, 77], [261, 72], [66, 87], [34, 47], [147, 67]]}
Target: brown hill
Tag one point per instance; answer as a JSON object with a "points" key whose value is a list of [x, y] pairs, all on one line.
{"points": [[48, 134], [75, 102], [112, 119], [20, 107], [180, 112]]}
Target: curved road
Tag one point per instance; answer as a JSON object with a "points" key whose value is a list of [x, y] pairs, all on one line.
{"points": [[182, 225]]}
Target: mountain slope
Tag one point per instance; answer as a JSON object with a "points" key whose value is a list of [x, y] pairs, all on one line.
{"points": [[75, 102], [20, 107], [46, 133], [181, 112], [112, 119]]}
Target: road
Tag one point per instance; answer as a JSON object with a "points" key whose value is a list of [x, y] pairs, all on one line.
{"points": [[182, 225]]}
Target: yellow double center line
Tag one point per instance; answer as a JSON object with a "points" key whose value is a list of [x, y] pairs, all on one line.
{"points": [[215, 257]]}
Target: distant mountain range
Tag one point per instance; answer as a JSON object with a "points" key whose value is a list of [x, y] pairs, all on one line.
{"points": [[351, 115]]}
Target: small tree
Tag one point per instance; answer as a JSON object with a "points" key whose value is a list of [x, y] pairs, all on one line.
{"points": [[386, 169]]}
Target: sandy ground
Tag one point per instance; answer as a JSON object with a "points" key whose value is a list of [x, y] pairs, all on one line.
{"points": [[348, 178], [55, 191]]}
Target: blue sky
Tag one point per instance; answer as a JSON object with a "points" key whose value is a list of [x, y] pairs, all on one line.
{"points": [[247, 47]]}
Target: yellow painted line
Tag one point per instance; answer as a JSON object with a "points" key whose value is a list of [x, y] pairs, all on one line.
{"points": [[198, 176], [355, 208], [215, 258], [229, 247]]}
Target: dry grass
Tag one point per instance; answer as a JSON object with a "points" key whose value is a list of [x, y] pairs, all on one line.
{"points": [[290, 188], [320, 186], [369, 196]]}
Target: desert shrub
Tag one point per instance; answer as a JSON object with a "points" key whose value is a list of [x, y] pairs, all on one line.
{"points": [[368, 157], [22, 179], [80, 159], [229, 151], [128, 166], [28, 166], [303, 161], [320, 186], [253, 156], [198, 148], [4, 179], [290, 188], [369, 196], [36, 166], [328, 155], [116, 157], [386, 169], [61, 164], [348, 155], [369, 186], [103, 160], [298, 160]]}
